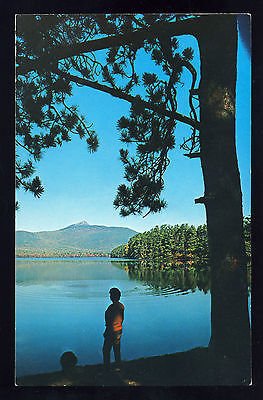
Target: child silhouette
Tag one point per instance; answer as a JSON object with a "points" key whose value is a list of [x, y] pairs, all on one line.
{"points": [[114, 316]]}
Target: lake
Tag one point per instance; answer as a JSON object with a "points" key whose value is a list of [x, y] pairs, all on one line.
{"points": [[60, 305]]}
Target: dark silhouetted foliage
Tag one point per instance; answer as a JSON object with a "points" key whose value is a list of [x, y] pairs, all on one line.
{"points": [[45, 118]]}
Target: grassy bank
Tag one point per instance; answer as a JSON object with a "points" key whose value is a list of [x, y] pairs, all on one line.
{"points": [[195, 367]]}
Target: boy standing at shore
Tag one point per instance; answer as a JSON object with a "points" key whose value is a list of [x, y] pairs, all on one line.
{"points": [[114, 316]]}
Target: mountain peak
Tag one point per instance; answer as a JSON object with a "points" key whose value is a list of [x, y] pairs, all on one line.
{"points": [[77, 225]]}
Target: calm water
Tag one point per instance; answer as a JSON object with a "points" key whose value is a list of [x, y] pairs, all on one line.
{"points": [[60, 306]]}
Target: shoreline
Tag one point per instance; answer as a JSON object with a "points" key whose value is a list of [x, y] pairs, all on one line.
{"points": [[195, 367]]}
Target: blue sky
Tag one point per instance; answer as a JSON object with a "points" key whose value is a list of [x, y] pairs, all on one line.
{"points": [[82, 186]]}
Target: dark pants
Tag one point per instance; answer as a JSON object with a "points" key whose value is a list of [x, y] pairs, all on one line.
{"points": [[112, 340]]}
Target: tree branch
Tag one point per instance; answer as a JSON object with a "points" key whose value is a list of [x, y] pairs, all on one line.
{"points": [[24, 147], [184, 27], [131, 99], [25, 185]]}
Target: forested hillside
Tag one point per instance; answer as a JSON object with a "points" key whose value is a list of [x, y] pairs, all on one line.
{"points": [[173, 245], [80, 238]]}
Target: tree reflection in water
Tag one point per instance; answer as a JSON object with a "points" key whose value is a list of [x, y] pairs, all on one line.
{"points": [[176, 280], [184, 279]]}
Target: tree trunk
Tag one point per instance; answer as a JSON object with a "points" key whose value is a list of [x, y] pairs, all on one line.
{"points": [[230, 333]]}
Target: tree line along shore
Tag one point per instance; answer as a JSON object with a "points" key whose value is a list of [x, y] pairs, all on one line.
{"points": [[171, 246], [37, 253]]}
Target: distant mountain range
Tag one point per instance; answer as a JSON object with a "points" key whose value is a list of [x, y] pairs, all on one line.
{"points": [[76, 237]]}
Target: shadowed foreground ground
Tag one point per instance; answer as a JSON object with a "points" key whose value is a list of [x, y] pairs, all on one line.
{"points": [[194, 367]]}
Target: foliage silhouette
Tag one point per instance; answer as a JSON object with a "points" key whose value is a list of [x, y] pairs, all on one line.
{"points": [[43, 91]]}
